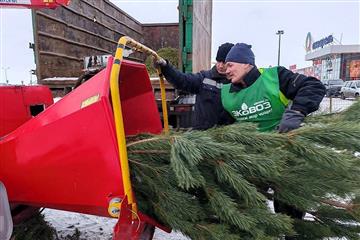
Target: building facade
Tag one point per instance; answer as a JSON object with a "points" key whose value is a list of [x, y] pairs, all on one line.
{"points": [[331, 60]]}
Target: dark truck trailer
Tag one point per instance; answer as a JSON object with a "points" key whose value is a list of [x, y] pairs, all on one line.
{"points": [[67, 36]]}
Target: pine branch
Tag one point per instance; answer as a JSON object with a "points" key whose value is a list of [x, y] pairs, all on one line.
{"points": [[213, 184]]}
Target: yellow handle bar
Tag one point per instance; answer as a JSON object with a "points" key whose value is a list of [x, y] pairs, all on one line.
{"points": [[116, 101]]}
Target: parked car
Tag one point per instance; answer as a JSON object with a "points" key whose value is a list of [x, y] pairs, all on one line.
{"points": [[333, 87], [350, 89]]}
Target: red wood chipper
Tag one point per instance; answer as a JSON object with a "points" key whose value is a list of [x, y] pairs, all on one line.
{"points": [[72, 156]]}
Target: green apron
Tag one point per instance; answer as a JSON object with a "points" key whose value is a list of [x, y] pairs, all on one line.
{"points": [[261, 103]]}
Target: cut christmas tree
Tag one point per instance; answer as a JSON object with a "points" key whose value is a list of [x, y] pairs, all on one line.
{"points": [[219, 183]]}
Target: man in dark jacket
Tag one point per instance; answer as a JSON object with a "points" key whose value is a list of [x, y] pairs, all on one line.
{"points": [[206, 85], [274, 98]]}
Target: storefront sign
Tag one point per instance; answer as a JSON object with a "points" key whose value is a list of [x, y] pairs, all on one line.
{"points": [[309, 45], [323, 42]]}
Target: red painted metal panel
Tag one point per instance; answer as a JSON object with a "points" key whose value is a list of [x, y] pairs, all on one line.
{"points": [[34, 95], [137, 100], [35, 3], [69, 164], [15, 102], [135, 227]]}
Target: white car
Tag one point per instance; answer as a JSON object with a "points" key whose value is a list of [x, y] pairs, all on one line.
{"points": [[350, 89]]}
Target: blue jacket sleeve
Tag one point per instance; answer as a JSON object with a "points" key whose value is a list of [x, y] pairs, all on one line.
{"points": [[305, 92], [188, 82]]}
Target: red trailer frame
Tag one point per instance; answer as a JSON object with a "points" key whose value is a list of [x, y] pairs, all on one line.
{"points": [[34, 3]]}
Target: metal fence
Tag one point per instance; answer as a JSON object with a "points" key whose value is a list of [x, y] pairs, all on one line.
{"points": [[334, 104]]}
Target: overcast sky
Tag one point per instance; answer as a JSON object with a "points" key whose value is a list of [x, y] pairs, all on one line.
{"points": [[253, 22]]}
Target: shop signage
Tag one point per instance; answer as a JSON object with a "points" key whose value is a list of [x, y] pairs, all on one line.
{"points": [[309, 45], [321, 43]]}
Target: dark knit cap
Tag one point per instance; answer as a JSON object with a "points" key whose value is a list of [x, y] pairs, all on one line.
{"points": [[241, 53], [223, 51]]}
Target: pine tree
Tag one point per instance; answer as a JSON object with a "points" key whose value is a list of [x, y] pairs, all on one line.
{"points": [[217, 184]]}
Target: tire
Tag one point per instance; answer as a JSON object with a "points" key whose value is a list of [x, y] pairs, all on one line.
{"points": [[356, 95], [342, 96], [148, 232]]}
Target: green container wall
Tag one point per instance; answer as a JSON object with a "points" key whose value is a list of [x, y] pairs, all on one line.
{"points": [[185, 35]]}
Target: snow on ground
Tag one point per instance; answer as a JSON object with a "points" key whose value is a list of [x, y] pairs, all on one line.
{"points": [[100, 228], [92, 227]]}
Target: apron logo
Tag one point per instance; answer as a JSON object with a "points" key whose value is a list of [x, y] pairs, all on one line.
{"points": [[244, 107], [259, 108]]}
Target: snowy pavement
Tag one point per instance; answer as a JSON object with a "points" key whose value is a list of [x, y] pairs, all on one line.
{"points": [[92, 227]]}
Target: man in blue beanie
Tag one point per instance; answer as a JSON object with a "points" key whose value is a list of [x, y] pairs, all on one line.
{"points": [[275, 98], [206, 85], [263, 96]]}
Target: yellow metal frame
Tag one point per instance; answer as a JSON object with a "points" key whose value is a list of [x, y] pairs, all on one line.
{"points": [[116, 101]]}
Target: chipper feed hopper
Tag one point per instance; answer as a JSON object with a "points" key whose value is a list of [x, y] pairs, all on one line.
{"points": [[72, 156]]}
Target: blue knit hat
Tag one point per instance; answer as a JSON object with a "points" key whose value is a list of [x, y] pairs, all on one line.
{"points": [[241, 53]]}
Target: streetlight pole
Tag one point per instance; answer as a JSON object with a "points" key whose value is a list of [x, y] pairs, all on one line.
{"points": [[31, 73], [279, 32], [5, 71]]}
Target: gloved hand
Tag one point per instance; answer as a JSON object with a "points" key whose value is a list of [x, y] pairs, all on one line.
{"points": [[159, 63], [291, 120]]}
